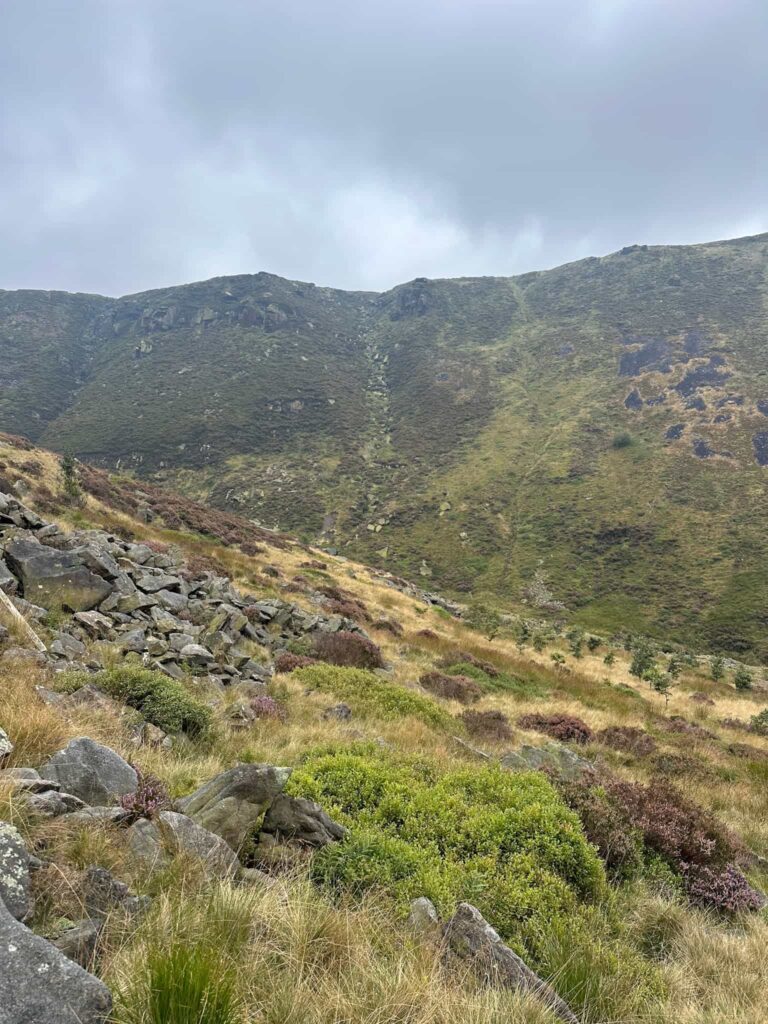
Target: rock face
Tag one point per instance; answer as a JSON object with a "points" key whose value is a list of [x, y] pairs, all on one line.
{"points": [[92, 772], [39, 985], [172, 833], [302, 821], [14, 873], [470, 936], [233, 803], [54, 579]]}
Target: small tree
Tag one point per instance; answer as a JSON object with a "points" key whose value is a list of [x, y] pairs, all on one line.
{"points": [[538, 642], [558, 658], [609, 659], [485, 620], [575, 638], [593, 642], [743, 678], [717, 668], [70, 477], [523, 634], [642, 658], [661, 683], [674, 666]]}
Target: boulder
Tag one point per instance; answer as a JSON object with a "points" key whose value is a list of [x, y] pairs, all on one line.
{"points": [[94, 623], [6, 747], [15, 890], [39, 985], [103, 893], [51, 804], [8, 581], [300, 820], [54, 579], [423, 919], [554, 756], [101, 816], [68, 647], [155, 842], [233, 803], [469, 936], [79, 942], [343, 712], [92, 772]]}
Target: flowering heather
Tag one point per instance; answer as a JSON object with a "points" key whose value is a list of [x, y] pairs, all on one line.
{"points": [[150, 798], [265, 706], [559, 727]]}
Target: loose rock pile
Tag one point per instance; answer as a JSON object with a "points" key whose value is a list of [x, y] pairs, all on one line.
{"points": [[143, 600]]}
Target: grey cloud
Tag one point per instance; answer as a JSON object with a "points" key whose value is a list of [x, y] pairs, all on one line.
{"points": [[363, 143]]}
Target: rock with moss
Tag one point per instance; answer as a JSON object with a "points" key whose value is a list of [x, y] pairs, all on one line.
{"points": [[171, 834], [54, 579], [301, 821]]}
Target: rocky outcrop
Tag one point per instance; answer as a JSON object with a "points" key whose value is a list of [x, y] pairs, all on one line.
{"points": [[92, 772], [39, 985], [469, 936], [232, 804]]}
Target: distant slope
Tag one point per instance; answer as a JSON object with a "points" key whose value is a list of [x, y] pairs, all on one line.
{"points": [[606, 421]]}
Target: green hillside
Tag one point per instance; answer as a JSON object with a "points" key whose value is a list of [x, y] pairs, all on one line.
{"points": [[605, 422]]}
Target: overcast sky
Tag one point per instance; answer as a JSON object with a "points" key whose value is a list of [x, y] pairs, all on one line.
{"points": [[361, 143]]}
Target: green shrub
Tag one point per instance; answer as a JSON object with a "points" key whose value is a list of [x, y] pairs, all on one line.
{"points": [[759, 723], [503, 841], [370, 694], [161, 700]]}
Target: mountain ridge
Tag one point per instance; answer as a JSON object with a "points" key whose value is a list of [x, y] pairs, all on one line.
{"points": [[601, 421]]}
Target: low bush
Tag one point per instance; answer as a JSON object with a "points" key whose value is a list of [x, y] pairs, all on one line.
{"points": [[759, 723], [724, 889], [161, 700], [389, 625], [287, 661], [264, 706], [504, 841], [628, 739], [606, 824], [487, 725], [460, 688], [349, 609], [682, 726], [467, 658], [347, 649], [369, 694], [559, 727]]}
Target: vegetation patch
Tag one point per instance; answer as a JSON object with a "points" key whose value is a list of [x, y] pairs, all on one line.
{"points": [[161, 700], [560, 727], [503, 841], [460, 688], [487, 725], [370, 694], [347, 648]]}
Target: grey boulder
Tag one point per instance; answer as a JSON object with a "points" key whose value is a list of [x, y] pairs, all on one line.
{"points": [[6, 747], [469, 936], [302, 821], [39, 985], [54, 579], [170, 834], [233, 803], [92, 772], [79, 942], [14, 873]]}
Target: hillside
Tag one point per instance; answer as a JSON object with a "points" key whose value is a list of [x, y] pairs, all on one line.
{"points": [[293, 747], [605, 421]]}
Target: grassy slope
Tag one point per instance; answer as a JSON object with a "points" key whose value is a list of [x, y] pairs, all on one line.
{"points": [[459, 428], [299, 957]]}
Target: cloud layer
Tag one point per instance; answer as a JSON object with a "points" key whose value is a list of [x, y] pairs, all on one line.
{"points": [[360, 143]]}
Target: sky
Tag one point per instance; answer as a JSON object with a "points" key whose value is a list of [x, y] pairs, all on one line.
{"points": [[362, 143]]}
